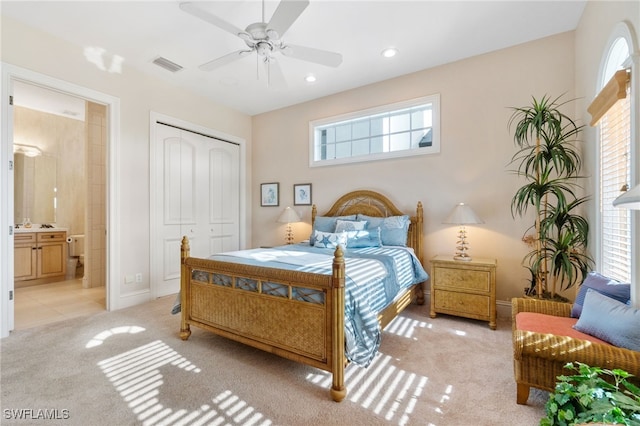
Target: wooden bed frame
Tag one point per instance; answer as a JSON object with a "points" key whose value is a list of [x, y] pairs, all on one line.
{"points": [[309, 333]]}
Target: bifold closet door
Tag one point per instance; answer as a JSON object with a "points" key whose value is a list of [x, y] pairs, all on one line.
{"points": [[199, 198]]}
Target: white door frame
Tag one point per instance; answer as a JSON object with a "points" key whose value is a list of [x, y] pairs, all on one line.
{"points": [[155, 182], [9, 74]]}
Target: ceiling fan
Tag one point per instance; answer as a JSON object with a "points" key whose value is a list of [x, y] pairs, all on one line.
{"points": [[266, 39]]}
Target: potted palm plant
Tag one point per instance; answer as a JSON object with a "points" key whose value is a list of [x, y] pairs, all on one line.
{"points": [[549, 161]]}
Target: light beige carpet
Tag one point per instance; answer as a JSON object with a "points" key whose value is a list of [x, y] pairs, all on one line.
{"points": [[130, 368]]}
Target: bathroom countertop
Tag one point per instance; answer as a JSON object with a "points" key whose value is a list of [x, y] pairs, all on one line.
{"points": [[36, 228]]}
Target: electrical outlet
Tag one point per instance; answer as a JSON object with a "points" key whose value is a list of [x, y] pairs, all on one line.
{"points": [[139, 277]]}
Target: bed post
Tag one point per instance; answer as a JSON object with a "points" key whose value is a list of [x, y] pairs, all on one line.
{"points": [[338, 391], [418, 249], [185, 330]]}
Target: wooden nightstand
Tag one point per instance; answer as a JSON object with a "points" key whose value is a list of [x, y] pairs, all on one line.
{"points": [[464, 288]]}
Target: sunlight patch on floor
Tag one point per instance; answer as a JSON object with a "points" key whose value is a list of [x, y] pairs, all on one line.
{"points": [[99, 338], [381, 387], [136, 376], [405, 327]]}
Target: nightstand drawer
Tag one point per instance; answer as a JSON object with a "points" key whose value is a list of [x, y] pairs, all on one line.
{"points": [[463, 279], [462, 303]]}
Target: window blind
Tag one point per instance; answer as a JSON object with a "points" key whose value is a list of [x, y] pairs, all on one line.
{"points": [[615, 166]]}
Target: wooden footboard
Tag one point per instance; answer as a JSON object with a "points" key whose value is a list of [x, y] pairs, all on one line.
{"points": [[296, 315]]}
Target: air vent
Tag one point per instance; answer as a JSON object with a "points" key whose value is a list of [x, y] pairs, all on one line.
{"points": [[167, 64]]}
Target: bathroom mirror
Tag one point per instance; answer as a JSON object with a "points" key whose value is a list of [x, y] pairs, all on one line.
{"points": [[35, 188]]}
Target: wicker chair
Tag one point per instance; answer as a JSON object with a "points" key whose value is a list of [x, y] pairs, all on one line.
{"points": [[539, 358]]}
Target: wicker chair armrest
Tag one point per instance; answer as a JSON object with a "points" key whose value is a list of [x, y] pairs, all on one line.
{"points": [[541, 306], [567, 349]]}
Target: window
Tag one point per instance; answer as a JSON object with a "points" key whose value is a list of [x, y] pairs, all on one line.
{"points": [[397, 130], [615, 236]]}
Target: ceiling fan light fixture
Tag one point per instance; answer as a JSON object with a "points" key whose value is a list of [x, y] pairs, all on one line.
{"points": [[389, 52]]}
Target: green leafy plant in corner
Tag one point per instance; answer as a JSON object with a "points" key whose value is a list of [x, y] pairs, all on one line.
{"points": [[593, 395], [549, 160]]}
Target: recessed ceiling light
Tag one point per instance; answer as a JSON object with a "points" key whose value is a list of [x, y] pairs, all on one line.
{"points": [[310, 78], [389, 52]]}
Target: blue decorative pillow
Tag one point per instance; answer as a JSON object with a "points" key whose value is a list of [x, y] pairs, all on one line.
{"points": [[329, 239], [603, 285], [361, 239], [610, 320], [350, 225], [393, 229], [327, 224]]}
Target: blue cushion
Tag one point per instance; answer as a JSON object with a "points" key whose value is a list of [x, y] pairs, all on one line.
{"points": [[393, 229], [610, 320], [361, 239], [604, 285], [329, 239], [327, 224]]}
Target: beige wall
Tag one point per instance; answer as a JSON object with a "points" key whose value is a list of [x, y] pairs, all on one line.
{"points": [[139, 95], [476, 148], [592, 39]]}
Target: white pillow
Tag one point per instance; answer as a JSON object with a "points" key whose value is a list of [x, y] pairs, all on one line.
{"points": [[350, 225], [329, 239]]}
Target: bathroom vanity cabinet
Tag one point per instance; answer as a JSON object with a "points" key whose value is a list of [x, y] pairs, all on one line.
{"points": [[40, 256]]}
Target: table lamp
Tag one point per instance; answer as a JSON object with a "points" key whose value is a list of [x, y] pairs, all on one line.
{"points": [[462, 215], [288, 216]]}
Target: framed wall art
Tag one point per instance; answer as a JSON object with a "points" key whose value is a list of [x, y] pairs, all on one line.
{"points": [[270, 194], [302, 194]]}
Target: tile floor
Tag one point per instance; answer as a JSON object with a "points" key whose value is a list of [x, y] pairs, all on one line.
{"points": [[47, 303]]}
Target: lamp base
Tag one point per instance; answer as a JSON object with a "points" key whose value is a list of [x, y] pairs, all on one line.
{"points": [[462, 246], [289, 235], [462, 257]]}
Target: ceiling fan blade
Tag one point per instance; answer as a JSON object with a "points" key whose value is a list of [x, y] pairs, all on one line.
{"points": [[193, 9], [285, 15], [309, 54], [224, 60]]}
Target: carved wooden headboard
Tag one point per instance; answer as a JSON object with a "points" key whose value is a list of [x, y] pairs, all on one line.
{"points": [[372, 203]]}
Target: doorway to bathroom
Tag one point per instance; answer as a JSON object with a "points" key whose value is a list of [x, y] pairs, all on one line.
{"points": [[69, 134]]}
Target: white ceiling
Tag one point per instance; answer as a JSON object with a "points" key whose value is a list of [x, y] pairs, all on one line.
{"points": [[426, 33]]}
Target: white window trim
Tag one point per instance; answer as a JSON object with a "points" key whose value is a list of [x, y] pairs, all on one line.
{"points": [[622, 29], [435, 143]]}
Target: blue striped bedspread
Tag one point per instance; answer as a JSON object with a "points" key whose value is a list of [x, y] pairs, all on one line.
{"points": [[374, 277]]}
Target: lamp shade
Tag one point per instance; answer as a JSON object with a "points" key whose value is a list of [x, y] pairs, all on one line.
{"points": [[629, 200], [462, 214], [288, 215]]}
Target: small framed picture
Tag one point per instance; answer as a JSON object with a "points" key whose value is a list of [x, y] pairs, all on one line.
{"points": [[269, 194], [302, 194]]}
